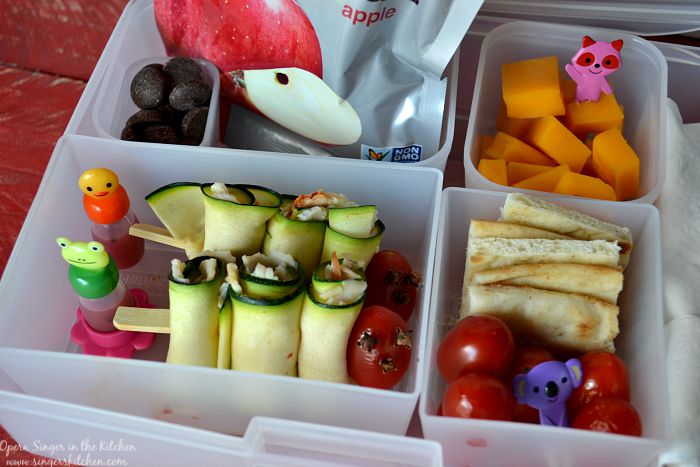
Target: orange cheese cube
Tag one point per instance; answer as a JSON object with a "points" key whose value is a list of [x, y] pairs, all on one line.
{"points": [[546, 181], [485, 143], [494, 170], [518, 171], [516, 127], [531, 88], [616, 163], [587, 117], [568, 90], [575, 184], [508, 148], [550, 136]]}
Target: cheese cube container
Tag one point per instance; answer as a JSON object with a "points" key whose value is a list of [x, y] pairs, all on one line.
{"points": [[38, 305], [640, 87], [640, 344]]}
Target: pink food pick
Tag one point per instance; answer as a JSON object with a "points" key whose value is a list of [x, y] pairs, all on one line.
{"points": [[591, 64]]}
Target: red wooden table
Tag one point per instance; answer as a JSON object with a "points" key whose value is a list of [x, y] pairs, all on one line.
{"points": [[47, 52]]}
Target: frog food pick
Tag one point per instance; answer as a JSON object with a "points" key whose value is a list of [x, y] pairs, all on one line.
{"points": [[107, 205], [591, 64], [94, 276]]}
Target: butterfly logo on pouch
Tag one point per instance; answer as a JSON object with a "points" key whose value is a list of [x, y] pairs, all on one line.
{"points": [[377, 156]]}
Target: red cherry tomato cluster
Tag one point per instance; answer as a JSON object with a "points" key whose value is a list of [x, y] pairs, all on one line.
{"points": [[479, 361], [379, 348], [601, 403], [473, 357]]}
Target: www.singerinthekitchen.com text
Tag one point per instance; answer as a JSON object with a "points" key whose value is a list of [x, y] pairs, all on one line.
{"points": [[88, 452]]}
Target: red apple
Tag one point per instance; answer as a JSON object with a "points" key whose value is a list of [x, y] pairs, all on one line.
{"points": [[240, 34]]}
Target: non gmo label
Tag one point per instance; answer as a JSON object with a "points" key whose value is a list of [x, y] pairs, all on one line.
{"points": [[406, 154]]}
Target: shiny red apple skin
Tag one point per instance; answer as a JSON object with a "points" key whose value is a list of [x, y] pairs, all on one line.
{"points": [[240, 34]]}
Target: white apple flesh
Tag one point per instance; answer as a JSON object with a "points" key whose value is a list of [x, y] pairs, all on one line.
{"points": [[299, 101]]}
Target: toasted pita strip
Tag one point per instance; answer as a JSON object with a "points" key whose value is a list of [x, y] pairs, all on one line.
{"points": [[491, 253], [565, 321], [481, 229], [599, 282], [539, 213]]}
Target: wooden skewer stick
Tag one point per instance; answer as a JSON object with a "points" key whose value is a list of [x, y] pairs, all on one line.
{"points": [[129, 318], [156, 234]]}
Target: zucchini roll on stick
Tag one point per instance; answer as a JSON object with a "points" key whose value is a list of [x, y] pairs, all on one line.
{"points": [[194, 311], [332, 304], [235, 216], [353, 233], [267, 295], [297, 232], [180, 208]]}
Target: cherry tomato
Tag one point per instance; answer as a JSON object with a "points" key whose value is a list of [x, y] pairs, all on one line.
{"points": [[391, 282], [478, 396], [610, 416], [604, 376], [379, 348], [525, 359], [476, 344]]}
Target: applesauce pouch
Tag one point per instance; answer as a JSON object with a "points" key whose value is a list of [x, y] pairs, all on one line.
{"points": [[355, 78]]}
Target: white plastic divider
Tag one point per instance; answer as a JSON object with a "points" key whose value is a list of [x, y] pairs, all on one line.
{"points": [[136, 37], [88, 436], [37, 306], [640, 344]]}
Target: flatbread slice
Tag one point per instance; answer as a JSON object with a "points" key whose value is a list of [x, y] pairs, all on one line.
{"points": [[520, 208], [569, 322], [491, 253], [600, 282], [482, 229]]}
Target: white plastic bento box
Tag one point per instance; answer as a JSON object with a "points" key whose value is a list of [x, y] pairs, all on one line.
{"points": [[640, 344], [89, 436], [37, 304], [136, 37], [640, 86]]}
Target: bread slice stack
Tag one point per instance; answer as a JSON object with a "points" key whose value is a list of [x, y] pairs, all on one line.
{"points": [[552, 274]]}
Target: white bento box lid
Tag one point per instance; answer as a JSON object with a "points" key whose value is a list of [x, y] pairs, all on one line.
{"points": [[642, 17]]}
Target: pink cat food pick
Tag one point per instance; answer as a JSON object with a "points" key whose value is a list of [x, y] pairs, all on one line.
{"points": [[591, 64]]}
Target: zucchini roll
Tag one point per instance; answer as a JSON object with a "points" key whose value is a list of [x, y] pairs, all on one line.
{"points": [[235, 216], [332, 304], [353, 233], [267, 293], [297, 232], [194, 311]]}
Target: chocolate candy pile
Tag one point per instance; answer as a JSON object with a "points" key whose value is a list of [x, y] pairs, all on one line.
{"points": [[174, 102]]}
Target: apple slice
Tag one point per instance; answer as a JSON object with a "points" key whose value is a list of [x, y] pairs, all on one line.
{"points": [[300, 101]]}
